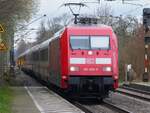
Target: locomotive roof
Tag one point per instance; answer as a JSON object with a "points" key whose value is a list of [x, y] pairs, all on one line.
{"points": [[89, 25]]}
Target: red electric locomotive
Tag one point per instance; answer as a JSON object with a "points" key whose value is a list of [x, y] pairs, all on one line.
{"points": [[81, 59]]}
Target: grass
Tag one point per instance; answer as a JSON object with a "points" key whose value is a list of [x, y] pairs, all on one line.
{"points": [[5, 99]]}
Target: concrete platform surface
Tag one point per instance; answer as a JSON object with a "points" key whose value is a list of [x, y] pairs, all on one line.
{"points": [[49, 102], [22, 102], [40, 100]]}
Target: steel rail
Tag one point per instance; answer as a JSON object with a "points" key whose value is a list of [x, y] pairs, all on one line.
{"points": [[115, 107], [79, 105], [135, 90], [132, 94]]}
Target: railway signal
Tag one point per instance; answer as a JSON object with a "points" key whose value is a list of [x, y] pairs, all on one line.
{"points": [[147, 40], [146, 60], [146, 17], [146, 24]]}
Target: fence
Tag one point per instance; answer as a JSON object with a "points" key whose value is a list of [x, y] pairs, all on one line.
{"points": [[4, 62]]}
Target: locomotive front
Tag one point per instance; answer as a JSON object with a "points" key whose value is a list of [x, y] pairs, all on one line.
{"points": [[92, 61]]}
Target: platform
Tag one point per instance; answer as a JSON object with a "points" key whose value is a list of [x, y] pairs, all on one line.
{"points": [[140, 85], [22, 102], [41, 100]]}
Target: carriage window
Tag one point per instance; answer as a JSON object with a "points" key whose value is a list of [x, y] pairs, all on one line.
{"points": [[35, 56], [79, 42], [44, 55], [99, 42]]}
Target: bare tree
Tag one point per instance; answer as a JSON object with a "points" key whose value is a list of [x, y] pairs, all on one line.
{"points": [[59, 22], [65, 19], [53, 25], [133, 53], [105, 15], [22, 47], [42, 33]]}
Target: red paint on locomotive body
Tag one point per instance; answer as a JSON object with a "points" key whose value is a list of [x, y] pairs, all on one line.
{"points": [[89, 67], [64, 58]]}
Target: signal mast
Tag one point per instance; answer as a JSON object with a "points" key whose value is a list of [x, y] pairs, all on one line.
{"points": [[146, 24]]}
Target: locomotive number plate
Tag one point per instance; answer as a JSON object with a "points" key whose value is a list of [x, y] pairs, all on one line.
{"points": [[90, 69]]}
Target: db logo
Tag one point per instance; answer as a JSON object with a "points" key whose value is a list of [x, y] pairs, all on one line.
{"points": [[90, 61]]}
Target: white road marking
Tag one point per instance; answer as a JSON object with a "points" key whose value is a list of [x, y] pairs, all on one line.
{"points": [[34, 100]]}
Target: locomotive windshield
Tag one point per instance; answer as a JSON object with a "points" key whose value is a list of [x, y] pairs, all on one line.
{"points": [[99, 42], [89, 42], [80, 42]]}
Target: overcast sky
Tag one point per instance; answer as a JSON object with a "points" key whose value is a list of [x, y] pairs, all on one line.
{"points": [[52, 9]]}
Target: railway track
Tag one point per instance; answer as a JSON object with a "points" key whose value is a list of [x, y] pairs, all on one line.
{"points": [[103, 107], [135, 90], [136, 93], [99, 107], [137, 86], [81, 106], [115, 107]]}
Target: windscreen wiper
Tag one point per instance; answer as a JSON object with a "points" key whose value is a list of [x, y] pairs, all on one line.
{"points": [[71, 46], [79, 48]]}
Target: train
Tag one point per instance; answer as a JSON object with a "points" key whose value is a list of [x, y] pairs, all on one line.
{"points": [[79, 59]]}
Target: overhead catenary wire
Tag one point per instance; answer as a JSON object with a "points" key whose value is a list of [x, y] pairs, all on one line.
{"points": [[135, 9], [32, 22]]}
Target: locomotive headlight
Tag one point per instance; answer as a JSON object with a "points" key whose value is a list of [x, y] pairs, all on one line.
{"points": [[107, 69], [73, 68], [90, 52]]}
